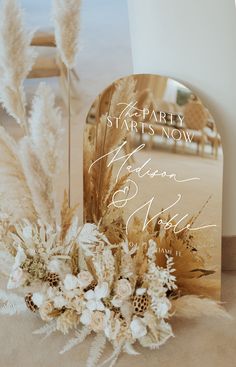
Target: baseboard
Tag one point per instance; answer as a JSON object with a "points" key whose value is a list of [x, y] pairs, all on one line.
{"points": [[229, 253]]}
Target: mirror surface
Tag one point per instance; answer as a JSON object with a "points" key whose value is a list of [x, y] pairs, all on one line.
{"points": [[153, 159]]}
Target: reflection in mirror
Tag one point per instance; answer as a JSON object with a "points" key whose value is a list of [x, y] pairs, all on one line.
{"points": [[153, 166]]}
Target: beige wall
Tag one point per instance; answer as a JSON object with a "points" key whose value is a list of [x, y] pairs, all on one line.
{"points": [[194, 42]]}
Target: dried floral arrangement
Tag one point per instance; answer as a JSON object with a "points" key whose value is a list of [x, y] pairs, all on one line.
{"points": [[88, 278]]}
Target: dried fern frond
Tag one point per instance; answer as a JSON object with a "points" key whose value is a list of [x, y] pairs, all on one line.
{"points": [[46, 329], [15, 195], [80, 336], [66, 15], [96, 350], [39, 183], [47, 131], [192, 306], [17, 58]]}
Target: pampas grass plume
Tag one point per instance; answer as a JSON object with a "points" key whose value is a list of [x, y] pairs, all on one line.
{"points": [[66, 16], [191, 306], [39, 183], [16, 59], [46, 130], [15, 195]]}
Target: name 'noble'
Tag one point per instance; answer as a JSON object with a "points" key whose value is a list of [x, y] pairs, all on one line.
{"points": [[149, 121]]}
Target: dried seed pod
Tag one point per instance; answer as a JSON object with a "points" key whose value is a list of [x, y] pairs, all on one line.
{"points": [[29, 302], [53, 279], [141, 304], [91, 286]]}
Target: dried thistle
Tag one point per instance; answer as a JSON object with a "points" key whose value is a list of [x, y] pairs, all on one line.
{"points": [[17, 58]]}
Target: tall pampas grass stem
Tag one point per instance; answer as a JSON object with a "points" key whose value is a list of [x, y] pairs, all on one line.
{"points": [[66, 15]]}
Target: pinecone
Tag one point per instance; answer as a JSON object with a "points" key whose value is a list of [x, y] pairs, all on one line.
{"points": [[140, 304], [53, 279], [29, 302], [91, 286]]}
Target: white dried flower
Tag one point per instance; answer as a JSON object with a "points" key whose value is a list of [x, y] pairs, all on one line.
{"points": [[38, 299], [94, 298], [140, 291], [116, 302], [71, 282], [59, 301], [138, 328], [27, 232], [88, 237], [84, 278], [16, 278], [161, 307], [86, 317], [54, 266], [123, 289]]}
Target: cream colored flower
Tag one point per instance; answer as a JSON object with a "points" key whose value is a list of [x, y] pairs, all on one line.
{"points": [[84, 279], [138, 328], [123, 289], [45, 311]]}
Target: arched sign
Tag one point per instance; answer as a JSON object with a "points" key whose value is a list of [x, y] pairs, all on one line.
{"points": [[153, 168]]}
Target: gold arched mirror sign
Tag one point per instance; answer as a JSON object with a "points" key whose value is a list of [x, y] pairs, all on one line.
{"points": [[153, 167]]}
